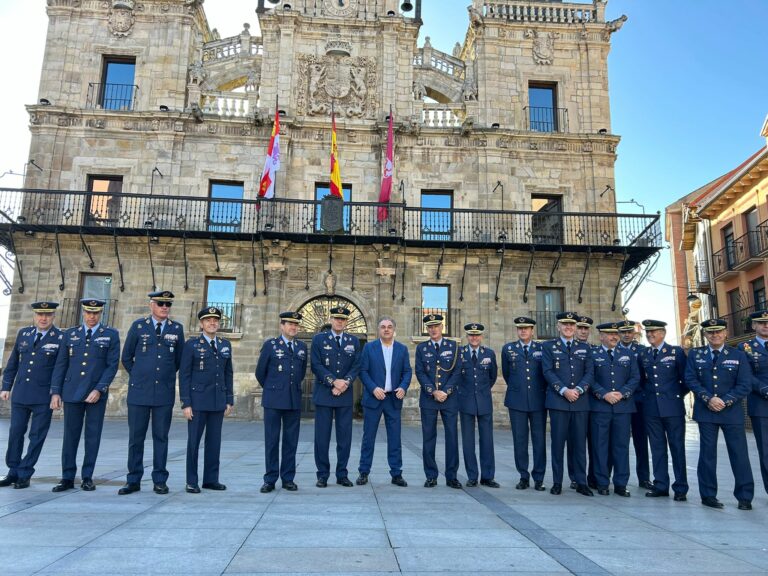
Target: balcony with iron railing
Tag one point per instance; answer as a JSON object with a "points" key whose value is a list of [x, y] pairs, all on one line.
{"points": [[740, 324], [105, 96], [742, 253], [546, 119], [703, 281]]}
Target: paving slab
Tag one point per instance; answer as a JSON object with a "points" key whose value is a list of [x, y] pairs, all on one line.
{"points": [[314, 560]]}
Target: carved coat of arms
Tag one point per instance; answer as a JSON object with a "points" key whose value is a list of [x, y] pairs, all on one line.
{"points": [[543, 45], [121, 21], [348, 82]]}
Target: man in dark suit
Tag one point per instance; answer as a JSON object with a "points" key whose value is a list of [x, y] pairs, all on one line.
{"points": [[28, 375], [568, 370], [611, 405], [757, 401], [526, 388], [207, 395], [663, 368], [151, 356], [386, 374], [86, 364], [435, 361], [474, 378], [335, 357], [720, 378], [280, 371]]}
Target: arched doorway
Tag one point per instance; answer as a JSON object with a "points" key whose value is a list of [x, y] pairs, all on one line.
{"points": [[315, 319]]}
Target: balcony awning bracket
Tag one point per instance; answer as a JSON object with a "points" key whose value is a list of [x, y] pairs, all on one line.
{"points": [[215, 253], [263, 263], [119, 263], [394, 276], [464, 273], [306, 263], [501, 267], [330, 255], [555, 266], [584, 274], [253, 262], [528, 275], [354, 258], [85, 248], [186, 262], [151, 262], [17, 259], [402, 278], [58, 254], [618, 282], [440, 262]]}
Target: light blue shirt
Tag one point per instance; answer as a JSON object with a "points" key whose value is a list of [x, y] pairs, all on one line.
{"points": [[387, 352], [93, 330]]}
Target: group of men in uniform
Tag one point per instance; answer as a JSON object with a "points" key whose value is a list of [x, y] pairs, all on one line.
{"points": [[592, 395]]}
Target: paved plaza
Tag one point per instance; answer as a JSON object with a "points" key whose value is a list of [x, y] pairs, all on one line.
{"points": [[373, 529]]}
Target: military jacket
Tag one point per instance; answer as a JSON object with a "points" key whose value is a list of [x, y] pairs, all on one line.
{"points": [[83, 367], [664, 381], [152, 362], [562, 370], [280, 373], [638, 350], [28, 370], [526, 386], [330, 361], [433, 371], [205, 376], [729, 379], [473, 380], [617, 374], [757, 401]]}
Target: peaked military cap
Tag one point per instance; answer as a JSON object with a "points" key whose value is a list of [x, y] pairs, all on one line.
{"points": [[162, 296], [610, 327], [210, 312], [293, 317], [714, 325], [627, 326], [761, 316], [432, 319], [44, 307], [474, 328], [567, 317], [92, 304], [340, 312], [585, 322], [653, 325], [524, 322]]}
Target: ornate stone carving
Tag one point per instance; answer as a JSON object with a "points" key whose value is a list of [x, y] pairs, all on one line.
{"points": [[543, 45], [252, 81], [350, 83], [197, 73], [613, 26], [329, 281], [469, 90], [121, 21]]}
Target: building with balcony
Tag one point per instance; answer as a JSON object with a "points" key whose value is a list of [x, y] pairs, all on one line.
{"points": [[149, 138]]}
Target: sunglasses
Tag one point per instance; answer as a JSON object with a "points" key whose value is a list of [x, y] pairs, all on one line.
{"points": [[163, 304]]}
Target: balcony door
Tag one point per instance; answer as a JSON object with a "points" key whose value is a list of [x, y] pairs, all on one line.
{"points": [[730, 246], [547, 223], [103, 204], [225, 216], [549, 303], [753, 234]]}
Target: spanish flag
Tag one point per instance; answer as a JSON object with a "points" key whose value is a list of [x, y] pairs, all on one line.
{"points": [[335, 171], [272, 164]]}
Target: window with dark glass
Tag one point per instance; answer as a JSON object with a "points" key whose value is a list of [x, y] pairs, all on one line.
{"points": [[753, 234], [436, 214], [323, 189], [547, 222], [729, 245], [435, 299], [118, 83], [220, 292], [225, 215], [758, 293], [542, 107], [103, 203], [549, 303]]}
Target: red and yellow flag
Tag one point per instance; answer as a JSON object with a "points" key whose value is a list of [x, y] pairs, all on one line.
{"points": [[335, 171], [272, 163]]}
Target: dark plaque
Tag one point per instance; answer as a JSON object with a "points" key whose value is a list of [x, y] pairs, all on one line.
{"points": [[332, 214]]}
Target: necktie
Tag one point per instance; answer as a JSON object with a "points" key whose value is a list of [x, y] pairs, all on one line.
{"points": [[159, 328], [38, 338], [474, 356], [338, 341], [290, 346], [715, 354], [568, 346], [525, 348], [610, 353], [213, 345], [437, 347], [655, 353], [88, 334]]}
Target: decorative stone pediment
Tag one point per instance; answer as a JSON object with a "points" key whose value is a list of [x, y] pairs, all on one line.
{"points": [[349, 83]]}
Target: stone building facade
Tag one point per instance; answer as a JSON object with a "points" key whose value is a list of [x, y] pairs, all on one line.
{"points": [[151, 132]]}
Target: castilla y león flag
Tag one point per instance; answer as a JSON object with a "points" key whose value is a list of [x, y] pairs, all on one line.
{"points": [[389, 165]]}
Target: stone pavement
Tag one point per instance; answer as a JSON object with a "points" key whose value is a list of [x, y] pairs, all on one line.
{"points": [[374, 529]]}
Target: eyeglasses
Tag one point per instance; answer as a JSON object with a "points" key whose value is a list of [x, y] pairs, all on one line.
{"points": [[163, 304]]}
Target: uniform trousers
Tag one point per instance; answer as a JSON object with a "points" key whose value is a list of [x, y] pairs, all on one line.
{"points": [[760, 430], [21, 415], [280, 463], [667, 433], [429, 439], [485, 432], [324, 418], [536, 423], [640, 442], [209, 422], [610, 447], [570, 427], [138, 423], [736, 443], [75, 413]]}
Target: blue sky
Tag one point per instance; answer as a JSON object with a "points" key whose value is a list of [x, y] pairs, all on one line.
{"points": [[688, 93]]}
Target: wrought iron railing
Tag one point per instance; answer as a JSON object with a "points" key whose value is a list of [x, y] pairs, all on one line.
{"points": [[111, 96], [546, 323], [546, 119], [703, 281], [739, 322], [70, 313]]}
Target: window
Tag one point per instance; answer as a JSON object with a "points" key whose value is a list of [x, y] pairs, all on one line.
{"points": [[735, 302], [436, 214], [758, 293], [118, 89], [549, 303], [753, 234], [220, 292], [730, 246], [542, 107], [103, 205], [435, 299], [323, 189], [97, 286], [225, 216], [547, 223]]}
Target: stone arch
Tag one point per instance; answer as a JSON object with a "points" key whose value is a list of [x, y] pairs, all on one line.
{"points": [[316, 309]]}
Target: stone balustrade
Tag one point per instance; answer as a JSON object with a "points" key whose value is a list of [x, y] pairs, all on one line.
{"points": [[442, 115], [230, 104], [231, 48], [440, 61], [542, 12]]}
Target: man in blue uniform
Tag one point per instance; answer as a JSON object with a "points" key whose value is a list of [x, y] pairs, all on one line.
{"points": [[473, 379], [720, 378], [151, 356], [280, 370], [86, 364], [526, 388], [386, 374], [757, 401], [207, 395], [435, 361], [568, 370], [583, 329], [663, 368], [639, 433], [28, 372], [335, 361], [611, 404]]}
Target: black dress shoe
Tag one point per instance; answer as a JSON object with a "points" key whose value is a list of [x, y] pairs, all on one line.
{"points": [[266, 487], [584, 490], [430, 483], [603, 492], [656, 494], [556, 489], [362, 479], [621, 491], [160, 488], [399, 481], [129, 488], [290, 486], [214, 486], [490, 483], [538, 486], [592, 485], [346, 482], [192, 488], [8, 480], [321, 483], [453, 484], [712, 502], [523, 484], [573, 484], [647, 484], [745, 505], [87, 485], [63, 485], [471, 483], [680, 498], [21, 484]]}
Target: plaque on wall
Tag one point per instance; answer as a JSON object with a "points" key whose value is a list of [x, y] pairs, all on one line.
{"points": [[332, 214]]}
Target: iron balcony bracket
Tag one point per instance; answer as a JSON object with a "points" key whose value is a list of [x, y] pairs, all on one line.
{"points": [[402, 278], [58, 254], [618, 282], [215, 253], [330, 254], [584, 274], [354, 263], [528, 276], [151, 262], [394, 276], [186, 262], [17, 259], [306, 264], [84, 247], [464, 273], [263, 263], [440, 262], [556, 266], [501, 267], [253, 263], [119, 263]]}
